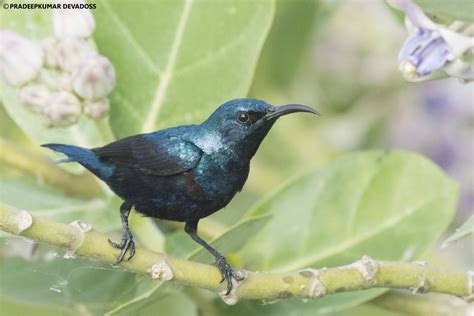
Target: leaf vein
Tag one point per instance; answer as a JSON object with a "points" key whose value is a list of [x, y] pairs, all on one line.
{"points": [[356, 240], [131, 39], [160, 93]]}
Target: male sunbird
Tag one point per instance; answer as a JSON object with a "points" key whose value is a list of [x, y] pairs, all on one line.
{"points": [[183, 173]]}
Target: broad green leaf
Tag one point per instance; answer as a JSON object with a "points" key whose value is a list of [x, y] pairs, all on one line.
{"points": [[50, 277], [449, 10], [232, 240], [299, 308], [176, 304], [465, 229], [9, 129], [37, 24], [176, 61], [180, 243], [368, 310], [390, 206], [291, 33], [15, 308]]}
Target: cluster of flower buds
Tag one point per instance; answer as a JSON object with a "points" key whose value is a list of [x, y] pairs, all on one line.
{"points": [[62, 76], [434, 50]]}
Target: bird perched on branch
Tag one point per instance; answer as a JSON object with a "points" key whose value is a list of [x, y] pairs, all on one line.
{"points": [[183, 173]]}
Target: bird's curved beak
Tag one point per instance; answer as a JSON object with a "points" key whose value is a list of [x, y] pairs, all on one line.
{"points": [[277, 111]]}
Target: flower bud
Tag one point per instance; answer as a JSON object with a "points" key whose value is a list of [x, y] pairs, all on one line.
{"points": [[50, 50], [94, 78], [62, 109], [64, 82], [96, 109], [69, 22], [20, 59], [433, 50], [71, 51], [56, 80], [34, 97]]}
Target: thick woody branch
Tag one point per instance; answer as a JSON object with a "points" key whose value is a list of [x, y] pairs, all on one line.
{"points": [[419, 277]]}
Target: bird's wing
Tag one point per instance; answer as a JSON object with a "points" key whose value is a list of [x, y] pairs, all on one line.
{"points": [[163, 156]]}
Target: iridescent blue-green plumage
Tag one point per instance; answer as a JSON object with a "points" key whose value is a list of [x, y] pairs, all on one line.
{"points": [[187, 172]]}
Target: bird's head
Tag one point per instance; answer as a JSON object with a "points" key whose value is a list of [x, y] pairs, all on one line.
{"points": [[244, 123]]}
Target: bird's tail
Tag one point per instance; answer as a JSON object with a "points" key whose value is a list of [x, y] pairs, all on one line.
{"points": [[84, 156], [73, 153]]}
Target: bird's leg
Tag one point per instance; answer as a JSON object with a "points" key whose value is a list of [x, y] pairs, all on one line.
{"points": [[127, 237], [226, 270]]}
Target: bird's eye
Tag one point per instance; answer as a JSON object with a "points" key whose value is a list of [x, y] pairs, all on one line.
{"points": [[243, 117]]}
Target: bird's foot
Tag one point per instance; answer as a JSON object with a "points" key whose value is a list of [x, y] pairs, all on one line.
{"points": [[127, 243], [227, 273]]}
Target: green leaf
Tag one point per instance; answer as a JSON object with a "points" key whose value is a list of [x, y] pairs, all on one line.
{"points": [[176, 304], [37, 24], [368, 310], [291, 33], [390, 206], [9, 129], [300, 309], [179, 66], [15, 308], [50, 277], [448, 10], [232, 240], [466, 229]]}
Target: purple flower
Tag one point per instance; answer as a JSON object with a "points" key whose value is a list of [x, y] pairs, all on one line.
{"points": [[422, 53], [431, 47]]}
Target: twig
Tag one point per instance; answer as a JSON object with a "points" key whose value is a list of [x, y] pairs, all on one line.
{"points": [[37, 164], [419, 277]]}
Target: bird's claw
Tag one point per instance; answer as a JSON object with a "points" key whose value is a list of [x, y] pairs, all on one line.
{"points": [[227, 273], [126, 244]]}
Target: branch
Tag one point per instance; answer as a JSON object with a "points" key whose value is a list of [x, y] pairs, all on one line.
{"points": [[419, 277], [33, 162]]}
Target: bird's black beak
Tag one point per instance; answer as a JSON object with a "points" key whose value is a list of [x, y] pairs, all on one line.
{"points": [[276, 111]]}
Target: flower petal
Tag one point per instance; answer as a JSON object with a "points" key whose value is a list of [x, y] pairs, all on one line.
{"points": [[458, 44]]}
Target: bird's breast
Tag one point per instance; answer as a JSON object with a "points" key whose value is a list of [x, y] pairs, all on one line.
{"points": [[221, 177]]}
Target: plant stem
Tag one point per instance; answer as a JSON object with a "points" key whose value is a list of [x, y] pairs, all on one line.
{"points": [[37, 164], [419, 277]]}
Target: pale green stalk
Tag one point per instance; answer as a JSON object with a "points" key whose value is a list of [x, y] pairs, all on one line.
{"points": [[419, 277]]}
